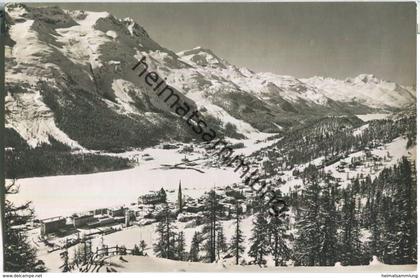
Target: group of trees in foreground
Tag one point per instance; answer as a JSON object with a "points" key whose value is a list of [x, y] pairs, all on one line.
{"points": [[353, 224], [19, 255], [210, 244], [331, 223]]}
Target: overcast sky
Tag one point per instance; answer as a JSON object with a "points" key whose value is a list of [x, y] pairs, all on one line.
{"points": [[299, 39]]}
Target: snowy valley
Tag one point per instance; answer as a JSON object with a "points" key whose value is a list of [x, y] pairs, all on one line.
{"points": [[112, 174]]}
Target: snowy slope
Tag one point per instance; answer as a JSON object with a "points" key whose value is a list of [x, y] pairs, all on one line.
{"points": [[150, 264], [59, 63], [84, 59], [34, 121], [27, 113]]}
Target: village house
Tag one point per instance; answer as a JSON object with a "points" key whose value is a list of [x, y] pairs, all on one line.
{"points": [[116, 211], [152, 198], [80, 220], [52, 225]]}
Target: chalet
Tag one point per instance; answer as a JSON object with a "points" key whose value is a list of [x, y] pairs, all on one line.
{"points": [[152, 198], [185, 217], [169, 146], [145, 222], [193, 208]]}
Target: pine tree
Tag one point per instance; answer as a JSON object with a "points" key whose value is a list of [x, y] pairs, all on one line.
{"points": [[236, 247], [65, 257], [136, 250], [83, 255], [195, 247], [393, 215], [400, 214], [180, 247], [87, 250], [139, 250], [351, 252], [165, 248], [328, 222], [221, 245], [411, 216], [278, 248], [162, 195], [19, 255], [122, 250], [142, 248], [376, 209], [406, 208], [307, 245], [212, 210], [260, 241], [77, 257]]}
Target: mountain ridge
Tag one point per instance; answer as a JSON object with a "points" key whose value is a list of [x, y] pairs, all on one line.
{"points": [[71, 72]]}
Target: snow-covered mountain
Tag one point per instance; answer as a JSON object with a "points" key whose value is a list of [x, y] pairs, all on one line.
{"points": [[366, 89], [69, 77]]}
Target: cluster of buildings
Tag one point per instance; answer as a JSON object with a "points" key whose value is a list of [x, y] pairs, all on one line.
{"points": [[147, 210], [366, 159], [92, 219]]}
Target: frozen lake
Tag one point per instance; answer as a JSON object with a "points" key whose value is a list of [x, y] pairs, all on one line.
{"points": [[371, 117], [64, 195]]}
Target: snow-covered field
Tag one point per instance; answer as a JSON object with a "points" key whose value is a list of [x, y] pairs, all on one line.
{"points": [[133, 235], [251, 145], [396, 149], [371, 117], [152, 264]]}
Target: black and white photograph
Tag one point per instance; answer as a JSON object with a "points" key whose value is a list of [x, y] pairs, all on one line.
{"points": [[209, 137]]}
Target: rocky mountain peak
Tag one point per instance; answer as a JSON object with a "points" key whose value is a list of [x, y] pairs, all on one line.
{"points": [[203, 57], [366, 78]]}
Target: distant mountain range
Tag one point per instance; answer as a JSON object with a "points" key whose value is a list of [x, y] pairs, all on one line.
{"points": [[68, 77]]}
